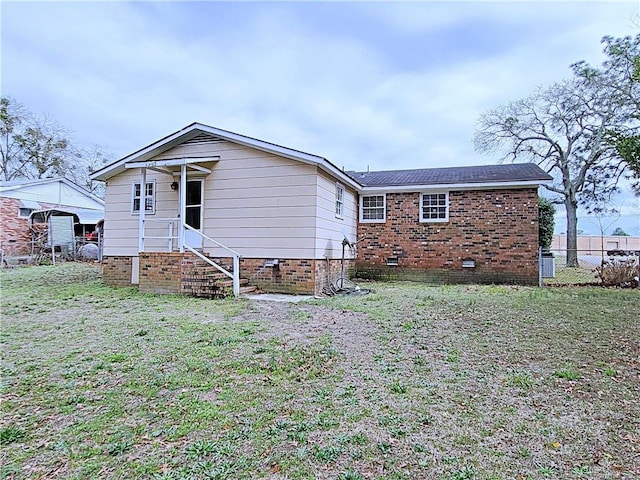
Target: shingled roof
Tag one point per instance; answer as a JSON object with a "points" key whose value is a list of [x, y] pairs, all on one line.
{"points": [[510, 173]]}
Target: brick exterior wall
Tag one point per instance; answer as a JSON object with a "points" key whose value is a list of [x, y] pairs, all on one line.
{"points": [[498, 229], [116, 271], [15, 237], [160, 272], [290, 276], [164, 272], [329, 272]]}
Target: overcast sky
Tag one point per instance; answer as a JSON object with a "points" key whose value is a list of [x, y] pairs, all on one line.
{"points": [[376, 85]]}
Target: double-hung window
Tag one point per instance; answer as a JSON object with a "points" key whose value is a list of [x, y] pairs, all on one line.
{"points": [[150, 198], [373, 208], [339, 200], [434, 207]]}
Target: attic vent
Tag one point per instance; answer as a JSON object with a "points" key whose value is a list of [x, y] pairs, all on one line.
{"points": [[203, 138]]}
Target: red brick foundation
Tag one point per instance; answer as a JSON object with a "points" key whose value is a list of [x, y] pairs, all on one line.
{"points": [[305, 277], [116, 271], [289, 276], [161, 272], [164, 272], [497, 229]]}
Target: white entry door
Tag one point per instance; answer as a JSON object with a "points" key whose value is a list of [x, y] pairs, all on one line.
{"points": [[195, 199]]}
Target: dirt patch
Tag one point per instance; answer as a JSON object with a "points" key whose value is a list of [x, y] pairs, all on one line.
{"points": [[352, 333]]}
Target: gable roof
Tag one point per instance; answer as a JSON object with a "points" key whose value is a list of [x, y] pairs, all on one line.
{"points": [[194, 130], [13, 187], [487, 176]]}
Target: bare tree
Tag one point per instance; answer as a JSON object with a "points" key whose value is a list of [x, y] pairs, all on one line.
{"points": [[46, 150], [12, 116], [564, 129], [620, 77], [89, 161], [37, 147]]}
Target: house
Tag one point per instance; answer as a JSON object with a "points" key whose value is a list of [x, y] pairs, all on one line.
{"points": [[453, 225], [25, 203], [204, 200]]}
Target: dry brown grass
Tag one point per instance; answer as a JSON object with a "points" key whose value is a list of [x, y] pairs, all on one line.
{"points": [[462, 382]]}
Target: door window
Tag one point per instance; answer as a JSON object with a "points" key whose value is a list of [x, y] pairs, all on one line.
{"points": [[194, 204]]}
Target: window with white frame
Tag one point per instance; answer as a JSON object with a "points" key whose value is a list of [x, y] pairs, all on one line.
{"points": [[150, 198], [373, 208], [434, 207], [24, 212], [339, 200]]}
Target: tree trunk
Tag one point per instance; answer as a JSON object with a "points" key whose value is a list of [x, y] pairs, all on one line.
{"points": [[572, 232]]}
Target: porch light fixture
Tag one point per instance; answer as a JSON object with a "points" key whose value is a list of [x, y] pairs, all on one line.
{"points": [[174, 186]]}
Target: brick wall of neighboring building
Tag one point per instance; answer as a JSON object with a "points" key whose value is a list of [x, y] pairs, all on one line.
{"points": [[116, 271], [498, 229], [15, 237]]}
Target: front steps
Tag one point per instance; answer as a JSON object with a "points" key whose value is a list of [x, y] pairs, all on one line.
{"points": [[199, 279]]}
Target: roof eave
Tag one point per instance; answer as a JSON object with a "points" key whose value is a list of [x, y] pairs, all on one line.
{"points": [[452, 186], [192, 130]]}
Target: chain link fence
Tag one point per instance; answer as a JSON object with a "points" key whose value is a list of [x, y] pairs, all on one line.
{"points": [[590, 267]]}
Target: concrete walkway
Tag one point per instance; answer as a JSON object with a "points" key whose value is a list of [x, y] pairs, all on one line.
{"points": [[279, 297]]}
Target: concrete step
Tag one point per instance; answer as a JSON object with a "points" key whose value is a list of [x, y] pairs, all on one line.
{"points": [[248, 289]]}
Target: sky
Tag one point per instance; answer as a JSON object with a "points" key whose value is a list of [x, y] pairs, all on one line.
{"points": [[367, 85]]}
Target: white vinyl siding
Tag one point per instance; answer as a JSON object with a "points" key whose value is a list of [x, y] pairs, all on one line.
{"points": [[121, 227], [434, 207], [330, 230], [260, 204], [373, 208]]}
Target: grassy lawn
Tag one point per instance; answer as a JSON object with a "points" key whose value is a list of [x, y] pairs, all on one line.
{"points": [[409, 382]]}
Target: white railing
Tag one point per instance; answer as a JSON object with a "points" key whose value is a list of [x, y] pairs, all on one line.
{"points": [[170, 231], [171, 236], [234, 275]]}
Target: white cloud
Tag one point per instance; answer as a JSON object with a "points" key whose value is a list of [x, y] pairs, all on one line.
{"points": [[389, 85]]}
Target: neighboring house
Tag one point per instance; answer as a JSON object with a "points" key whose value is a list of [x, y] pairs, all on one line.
{"points": [[282, 218], [25, 202]]}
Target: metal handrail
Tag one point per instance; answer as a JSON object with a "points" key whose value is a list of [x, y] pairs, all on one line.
{"points": [[236, 259], [168, 219], [189, 227]]}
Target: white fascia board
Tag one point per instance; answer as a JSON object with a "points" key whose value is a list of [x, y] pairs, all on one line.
{"points": [[173, 162], [85, 192], [145, 153], [451, 186], [194, 129]]}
